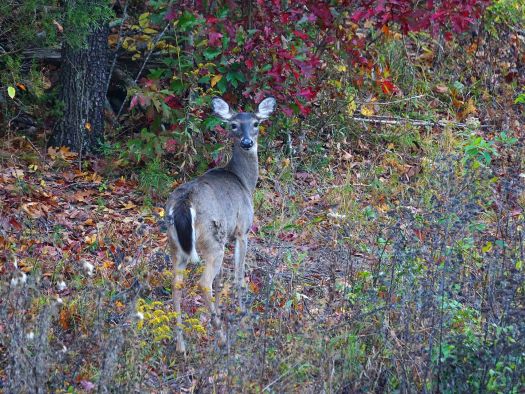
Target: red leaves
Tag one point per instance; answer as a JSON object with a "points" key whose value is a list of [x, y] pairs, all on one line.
{"points": [[322, 11], [282, 50], [171, 145], [214, 39], [141, 100], [172, 102], [387, 86], [457, 15], [307, 93], [249, 64], [300, 34]]}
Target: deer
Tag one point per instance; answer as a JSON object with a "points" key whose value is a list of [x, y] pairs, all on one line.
{"points": [[216, 208]]}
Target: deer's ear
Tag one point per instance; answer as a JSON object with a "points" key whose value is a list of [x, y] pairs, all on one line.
{"points": [[221, 108], [266, 107]]}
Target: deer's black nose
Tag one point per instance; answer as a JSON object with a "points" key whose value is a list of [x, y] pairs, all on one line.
{"points": [[246, 143]]}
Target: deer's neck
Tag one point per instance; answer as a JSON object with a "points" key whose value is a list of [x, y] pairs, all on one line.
{"points": [[245, 165]]}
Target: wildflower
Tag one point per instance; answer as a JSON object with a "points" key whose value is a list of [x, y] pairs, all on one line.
{"points": [[336, 215], [30, 335], [61, 286], [88, 267]]}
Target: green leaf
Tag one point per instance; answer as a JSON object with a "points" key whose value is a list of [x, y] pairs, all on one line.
{"points": [[520, 99], [212, 53], [223, 13], [239, 76], [11, 92], [211, 121], [186, 21], [487, 247], [222, 86]]}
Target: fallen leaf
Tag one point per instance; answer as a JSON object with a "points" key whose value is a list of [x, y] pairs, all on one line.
{"points": [[442, 89], [367, 109], [35, 210], [129, 205]]}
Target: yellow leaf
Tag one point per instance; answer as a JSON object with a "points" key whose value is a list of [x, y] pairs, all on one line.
{"points": [[108, 264], [487, 247], [149, 30], [160, 211], [127, 43], [136, 56], [337, 84], [88, 126], [144, 19], [341, 67], [215, 79], [351, 107], [468, 109], [367, 109], [129, 205]]}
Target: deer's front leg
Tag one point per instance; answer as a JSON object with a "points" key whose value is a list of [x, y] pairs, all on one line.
{"points": [[241, 244]]}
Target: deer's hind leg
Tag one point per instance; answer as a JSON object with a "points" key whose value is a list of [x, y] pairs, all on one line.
{"points": [[212, 256], [179, 261]]}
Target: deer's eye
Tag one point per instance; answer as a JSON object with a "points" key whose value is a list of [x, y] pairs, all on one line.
{"points": [[256, 124], [234, 126]]}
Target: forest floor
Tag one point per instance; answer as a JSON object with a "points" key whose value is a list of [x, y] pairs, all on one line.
{"points": [[382, 258]]}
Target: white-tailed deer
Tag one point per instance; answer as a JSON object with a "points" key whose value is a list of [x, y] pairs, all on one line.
{"points": [[216, 208]]}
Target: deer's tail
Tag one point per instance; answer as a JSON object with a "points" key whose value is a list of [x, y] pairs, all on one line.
{"points": [[181, 224]]}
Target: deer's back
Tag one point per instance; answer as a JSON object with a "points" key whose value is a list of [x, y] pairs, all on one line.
{"points": [[223, 206]]}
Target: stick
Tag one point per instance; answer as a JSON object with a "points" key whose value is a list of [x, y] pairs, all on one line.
{"points": [[119, 44], [415, 122]]}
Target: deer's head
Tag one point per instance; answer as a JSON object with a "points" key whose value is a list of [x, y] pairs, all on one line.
{"points": [[244, 125]]}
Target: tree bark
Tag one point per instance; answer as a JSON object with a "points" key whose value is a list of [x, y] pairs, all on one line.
{"points": [[84, 74]]}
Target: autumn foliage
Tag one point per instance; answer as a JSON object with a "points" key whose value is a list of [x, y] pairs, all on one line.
{"points": [[248, 50]]}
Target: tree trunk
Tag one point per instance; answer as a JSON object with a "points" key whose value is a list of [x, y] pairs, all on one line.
{"points": [[83, 78]]}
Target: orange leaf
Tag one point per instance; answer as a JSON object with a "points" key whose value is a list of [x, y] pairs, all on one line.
{"points": [[90, 239], [64, 319]]}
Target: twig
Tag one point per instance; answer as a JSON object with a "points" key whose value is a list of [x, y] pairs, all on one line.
{"points": [[415, 122], [42, 157], [280, 377], [119, 44], [391, 102]]}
